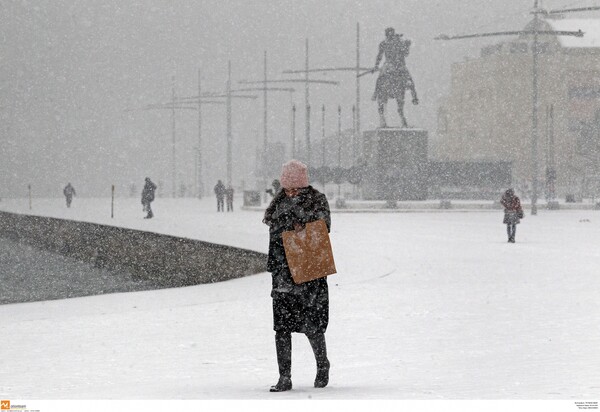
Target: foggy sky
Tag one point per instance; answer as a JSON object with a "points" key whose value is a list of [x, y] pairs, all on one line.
{"points": [[70, 69]]}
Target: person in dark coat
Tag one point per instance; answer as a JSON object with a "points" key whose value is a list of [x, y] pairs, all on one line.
{"points": [[69, 192], [300, 308], [148, 197], [229, 196], [513, 213], [276, 188], [220, 192]]}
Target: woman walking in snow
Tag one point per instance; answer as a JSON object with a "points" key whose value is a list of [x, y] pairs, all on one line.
{"points": [[513, 213], [302, 308]]}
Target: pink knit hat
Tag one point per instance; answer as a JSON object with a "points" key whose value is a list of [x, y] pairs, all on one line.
{"points": [[294, 175]]}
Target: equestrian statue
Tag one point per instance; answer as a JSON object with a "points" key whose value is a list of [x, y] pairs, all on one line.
{"points": [[394, 78]]}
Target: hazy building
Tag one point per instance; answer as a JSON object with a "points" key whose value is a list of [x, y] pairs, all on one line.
{"points": [[487, 115]]}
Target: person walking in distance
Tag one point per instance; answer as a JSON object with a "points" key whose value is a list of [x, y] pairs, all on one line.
{"points": [[148, 197], [229, 198], [513, 213], [276, 188], [297, 308], [69, 192], [220, 192]]}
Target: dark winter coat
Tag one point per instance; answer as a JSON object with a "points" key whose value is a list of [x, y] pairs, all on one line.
{"points": [[229, 194], [148, 192], [69, 191], [220, 190], [300, 308], [512, 209]]}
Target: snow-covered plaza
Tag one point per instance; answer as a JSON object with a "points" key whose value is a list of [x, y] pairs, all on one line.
{"points": [[425, 306]]}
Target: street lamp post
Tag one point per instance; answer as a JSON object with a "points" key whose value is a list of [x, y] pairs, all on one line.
{"points": [[199, 183], [323, 146], [229, 134], [339, 154], [534, 114], [293, 132], [550, 158], [173, 157], [354, 136]]}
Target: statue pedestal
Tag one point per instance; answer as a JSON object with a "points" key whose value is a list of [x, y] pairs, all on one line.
{"points": [[396, 164]]}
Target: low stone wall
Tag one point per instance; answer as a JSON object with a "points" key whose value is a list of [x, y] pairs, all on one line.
{"points": [[167, 260]]}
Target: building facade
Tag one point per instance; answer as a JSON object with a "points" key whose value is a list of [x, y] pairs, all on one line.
{"points": [[488, 114]]}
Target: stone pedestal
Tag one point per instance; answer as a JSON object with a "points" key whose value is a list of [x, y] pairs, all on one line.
{"points": [[396, 162]]}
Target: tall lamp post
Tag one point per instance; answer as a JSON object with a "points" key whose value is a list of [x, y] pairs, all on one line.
{"points": [[535, 32], [293, 131]]}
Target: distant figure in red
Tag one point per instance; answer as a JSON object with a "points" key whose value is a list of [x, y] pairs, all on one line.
{"points": [[513, 213], [69, 192]]}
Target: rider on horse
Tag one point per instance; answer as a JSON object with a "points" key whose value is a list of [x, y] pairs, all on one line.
{"points": [[394, 78]]}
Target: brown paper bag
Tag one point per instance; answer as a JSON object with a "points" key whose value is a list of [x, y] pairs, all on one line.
{"points": [[308, 252]]}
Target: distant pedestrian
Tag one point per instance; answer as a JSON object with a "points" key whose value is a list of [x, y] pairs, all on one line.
{"points": [[513, 213], [276, 188], [300, 308], [69, 192], [148, 197], [229, 196], [220, 192]]}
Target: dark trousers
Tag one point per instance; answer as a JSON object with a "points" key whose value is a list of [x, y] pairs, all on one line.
{"points": [[283, 346], [69, 200], [511, 230], [220, 204], [148, 209], [229, 205]]}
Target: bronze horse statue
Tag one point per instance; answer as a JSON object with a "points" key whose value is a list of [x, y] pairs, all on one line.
{"points": [[394, 78]]}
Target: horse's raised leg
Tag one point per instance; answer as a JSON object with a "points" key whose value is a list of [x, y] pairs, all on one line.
{"points": [[381, 109], [400, 101], [413, 92]]}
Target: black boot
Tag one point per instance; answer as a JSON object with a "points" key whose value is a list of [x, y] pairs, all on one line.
{"points": [[322, 378], [283, 346], [319, 347], [283, 384]]}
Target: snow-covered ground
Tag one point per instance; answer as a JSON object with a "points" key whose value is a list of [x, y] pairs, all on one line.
{"points": [[427, 306]]}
